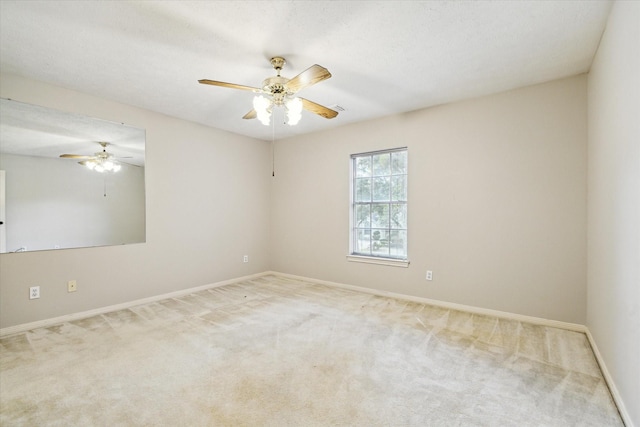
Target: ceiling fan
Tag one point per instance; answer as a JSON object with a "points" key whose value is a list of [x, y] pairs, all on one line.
{"points": [[102, 161], [279, 91]]}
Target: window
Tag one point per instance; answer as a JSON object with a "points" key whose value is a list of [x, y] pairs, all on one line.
{"points": [[379, 205]]}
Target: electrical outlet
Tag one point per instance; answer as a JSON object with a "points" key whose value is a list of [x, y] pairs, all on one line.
{"points": [[245, 258], [72, 286], [34, 292], [429, 275]]}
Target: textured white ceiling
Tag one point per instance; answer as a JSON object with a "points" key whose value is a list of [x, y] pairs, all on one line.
{"points": [[386, 57]]}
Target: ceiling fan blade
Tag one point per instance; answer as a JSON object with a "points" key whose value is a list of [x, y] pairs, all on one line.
{"points": [[251, 115], [128, 164], [318, 109], [308, 77], [75, 156], [230, 85]]}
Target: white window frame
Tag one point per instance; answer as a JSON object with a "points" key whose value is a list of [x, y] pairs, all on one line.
{"points": [[372, 258]]}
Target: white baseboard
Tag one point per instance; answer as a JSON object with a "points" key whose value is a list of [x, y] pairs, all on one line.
{"points": [[626, 418], [84, 314], [495, 313], [449, 305]]}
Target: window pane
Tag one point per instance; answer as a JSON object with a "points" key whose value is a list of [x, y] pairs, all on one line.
{"points": [[399, 188], [381, 164], [380, 242], [398, 243], [380, 215], [363, 189], [399, 162], [381, 189], [363, 166], [363, 241], [379, 204], [363, 216], [399, 216]]}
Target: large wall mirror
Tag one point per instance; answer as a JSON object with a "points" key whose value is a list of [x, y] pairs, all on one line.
{"points": [[68, 181]]}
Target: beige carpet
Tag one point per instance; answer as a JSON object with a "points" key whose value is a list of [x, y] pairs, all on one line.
{"points": [[279, 352]]}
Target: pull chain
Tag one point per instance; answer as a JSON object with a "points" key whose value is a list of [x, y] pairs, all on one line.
{"points": [[273, 146]]}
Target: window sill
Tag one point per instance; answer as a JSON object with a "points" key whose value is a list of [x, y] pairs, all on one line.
{"points": [[379, 261]]}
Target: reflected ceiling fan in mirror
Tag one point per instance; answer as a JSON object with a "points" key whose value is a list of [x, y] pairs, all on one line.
{"points": [[281, 91], [102, 161]]}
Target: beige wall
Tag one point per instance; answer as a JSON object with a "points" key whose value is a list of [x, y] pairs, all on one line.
{"points": [[497, 202], [207, 197], [497, 194], [613, 314]]}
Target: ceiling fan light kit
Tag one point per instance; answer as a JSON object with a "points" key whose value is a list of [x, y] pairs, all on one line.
{"points": [[100, 162], [102, 165], [262, 106], [294, 111], [280, 91]]}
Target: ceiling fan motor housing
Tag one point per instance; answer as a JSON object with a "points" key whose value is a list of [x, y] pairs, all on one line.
{"points": [[277, 87]]}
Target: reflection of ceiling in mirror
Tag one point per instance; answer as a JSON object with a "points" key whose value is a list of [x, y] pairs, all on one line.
{"points": [[31, 130]]}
